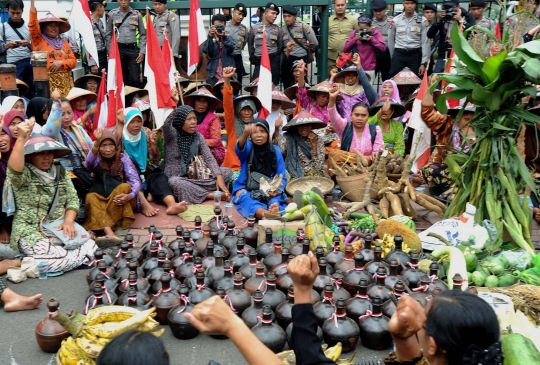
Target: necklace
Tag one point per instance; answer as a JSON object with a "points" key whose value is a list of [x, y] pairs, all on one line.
{"points": [[386, 129]]}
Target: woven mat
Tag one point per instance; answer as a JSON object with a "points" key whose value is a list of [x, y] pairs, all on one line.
{"points": [[204, 211]]}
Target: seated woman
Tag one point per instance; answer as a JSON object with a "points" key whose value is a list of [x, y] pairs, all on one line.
{"points": [[258, 155], [6, 146], [80, 100], [182, 144], [32, 178], [14, 103], [46, 37], [238, 114], [208, 123], [354, 87], [392, 131], [292, 94], [449, 133], [354, 135], [140, 144], [112, 198], [302, 149], [88, 82]]}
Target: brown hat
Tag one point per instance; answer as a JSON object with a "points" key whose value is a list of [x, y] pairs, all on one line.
{"points": [[340, 76], [76, 92], [81, 81], [291, 91], [399, 109], [322, 87], [23, 87], [40, 143], [286, 103], [63, 26], [406, 77], [216, 90], [304, 118], [252, 85], [213, 102], [194, 85]]}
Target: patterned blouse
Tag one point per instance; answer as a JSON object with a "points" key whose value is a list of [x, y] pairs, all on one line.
{"points": [[312, 106], [33, 198], [311, 167]]}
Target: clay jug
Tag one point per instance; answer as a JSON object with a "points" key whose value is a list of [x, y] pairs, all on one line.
{"points": [[421, 292], [457, 280], [340, 328], [272, 297], [433, 276], [185, 270], [123, 273], [175, 284], [101, 267], [393, 276], [208, 259], [273, 258], [398, 253], [180, 326], [99, 255], [267, 247], [200, 292], [137, 253], [352, 277], [367, 249], [214, 237], [360, 303], [284, 310], [201, 243], [216, 223], [165, 300], [141, 299], [230, 240], [107, 284], [151, 260], [97, 299], [258, 281], [372, 266], [270, 333], [240, 298], [223, 232], [216, 272], [378, 288], [226, 281], [348, 260], [120, 260], [325, 308], [173, 245], [160, 240], [336, 255], [133, 277], [109, 294], [319, 252], [322, 279], [248, 270], [337, 283], [191, 282], [281, 269], [50, 333], [374, 332], [146, 246], [297, 244], [155, 273], [197, 232], [251, 233], [251, 316], [179, 259], [389, 307], [239, 256], [412, 273]]}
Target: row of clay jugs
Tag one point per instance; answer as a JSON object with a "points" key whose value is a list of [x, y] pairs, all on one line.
{"points": [[180, 326], [348, 260], [281, 265], [99, 298], [269, 333], [50, 333], [101, 267], [340, 328], [353, 277], [165, 299], [421, 292], [412, 273], [248, 270], [373, 326], [251, 316], [359, 304]]}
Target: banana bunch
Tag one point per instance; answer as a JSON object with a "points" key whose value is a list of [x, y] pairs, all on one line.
{"points": [[101, 325], [387, 244], [334, 352]]}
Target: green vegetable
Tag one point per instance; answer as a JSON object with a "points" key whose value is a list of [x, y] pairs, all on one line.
{"points": [[531, 276], [494, 267], [356, 215], [508, 279], [519, 350], [469, 277], [478, 278], [457, 264], [536, 261], [471, 261], [503, 260], [492, 281], [291, 208], [295, 215], [311, 197], [365, 223]]}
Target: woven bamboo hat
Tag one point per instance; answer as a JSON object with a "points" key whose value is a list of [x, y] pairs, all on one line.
{"points": [[213, 102]]}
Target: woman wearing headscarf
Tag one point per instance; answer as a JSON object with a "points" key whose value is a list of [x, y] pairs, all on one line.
{"points": [[238, 114], [183, 144], [6, 146], [80, 99], [382, 112], [140, 144], [33, 180], [37, 108], [208, 123], [11, 119], [259, 157], [14, 103], [302, 149], [111, 201]]}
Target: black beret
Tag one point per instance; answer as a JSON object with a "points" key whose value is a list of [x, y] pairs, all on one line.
{"points": [[241, 8], [289, 9], [378, 5], [447, 3], [478, 3], [271, 6], [161, 1], [429, 6], [102, 2]]}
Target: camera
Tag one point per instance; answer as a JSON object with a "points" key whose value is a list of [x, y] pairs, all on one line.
{"points": [[219, 29], [450, 13], [364, 35]]}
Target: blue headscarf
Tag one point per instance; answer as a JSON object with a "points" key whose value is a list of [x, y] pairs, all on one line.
{"points": [[135, 145]]}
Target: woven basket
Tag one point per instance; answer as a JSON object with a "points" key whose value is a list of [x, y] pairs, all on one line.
{"points": [[304, 184], [353, 187]]}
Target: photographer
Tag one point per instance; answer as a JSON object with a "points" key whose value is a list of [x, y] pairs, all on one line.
{"points": [[219, 50], [450, 13], [368, 40]]}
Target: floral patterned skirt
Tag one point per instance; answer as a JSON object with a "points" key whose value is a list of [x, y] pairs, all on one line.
{"points": [[437, 178], [100, 212]]}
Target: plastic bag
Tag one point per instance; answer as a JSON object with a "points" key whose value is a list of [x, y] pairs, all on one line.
{"points": [[448, 229], [520, 260]]}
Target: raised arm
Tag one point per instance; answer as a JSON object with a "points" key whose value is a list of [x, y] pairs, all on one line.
{"points": [[16, 160]]}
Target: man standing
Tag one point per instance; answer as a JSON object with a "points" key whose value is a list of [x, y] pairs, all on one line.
{"points": [[477, 8], [237, 32], [15, 43], [273, 42], [408, 40], [300, 43], [126, 21], [219, 50], [383, 23], [97, 8], [340, 26], [167, 21], [429, 12]]}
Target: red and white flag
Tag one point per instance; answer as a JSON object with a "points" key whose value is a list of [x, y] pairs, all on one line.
{"points": [[264, 89], [159, 86], [115, 83], [423, 150], [197, 35], [80, 12], [168, 59], [100, 118]]}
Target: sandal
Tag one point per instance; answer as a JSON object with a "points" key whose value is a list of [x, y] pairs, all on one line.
{"points": [[103, 242]]}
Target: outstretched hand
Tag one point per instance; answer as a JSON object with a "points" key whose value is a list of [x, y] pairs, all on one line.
{"points": [[408, 319], [357, 61], [334, 92], [213, 316], [228, 72], [303, 271]]}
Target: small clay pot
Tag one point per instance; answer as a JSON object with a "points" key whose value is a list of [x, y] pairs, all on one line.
{"points": [[49, 333]]}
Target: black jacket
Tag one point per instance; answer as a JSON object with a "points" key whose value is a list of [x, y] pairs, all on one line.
{"points": [[436, 31]]}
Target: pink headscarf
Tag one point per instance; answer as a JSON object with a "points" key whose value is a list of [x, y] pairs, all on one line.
{"points": [[395, 95]]}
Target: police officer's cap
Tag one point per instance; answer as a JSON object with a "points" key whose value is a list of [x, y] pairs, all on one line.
{"points": [[102, 2], [241, 8], [378, 5], [429, 6], [478, 3], [271, 6], [161, 1], [449, 3], [289, 9]]}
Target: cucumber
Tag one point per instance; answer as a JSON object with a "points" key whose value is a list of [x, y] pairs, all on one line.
{"points": [[457, 264], [519, 350], [356, 215], [310, 197]]}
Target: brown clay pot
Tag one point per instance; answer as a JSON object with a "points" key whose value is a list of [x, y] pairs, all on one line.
{"points": [[49, 333]]}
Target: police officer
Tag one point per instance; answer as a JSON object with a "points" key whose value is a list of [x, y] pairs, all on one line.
{"points": [[127, 21], [383, 23], [238, 32], [167, 21], [97, 8], [477, 8], [299, 42], [408, 41], [273, 42], [429, 12]]}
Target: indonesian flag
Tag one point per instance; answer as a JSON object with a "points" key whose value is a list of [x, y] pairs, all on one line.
{"points": [[168, 59], [197, 35], [115, 83], [83, 24], [452, 103], [416, 123], [100, 118], [264, 90], [159, 86]]}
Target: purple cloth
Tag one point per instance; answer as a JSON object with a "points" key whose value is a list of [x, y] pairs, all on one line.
{"points": [[367, 50], [56, 43], [344, 106], [5, 156]]}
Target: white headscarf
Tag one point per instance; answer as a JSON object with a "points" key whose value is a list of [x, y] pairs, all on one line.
{"points": [[9, 102], [131, 113]]}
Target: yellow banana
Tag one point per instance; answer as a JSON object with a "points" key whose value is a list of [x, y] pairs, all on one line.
{"points": [[113, 329], [91, 348], [334, 352], [86, 362], [158, 333], [148, 326], [110, 313], [69, 353]]}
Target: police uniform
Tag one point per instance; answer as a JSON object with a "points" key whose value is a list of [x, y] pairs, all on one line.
{"points": [[304, 39], [238, 33], [408, 43], [274, 44], [127, 23], [168, 21], [383, 58], [101, 43]]}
